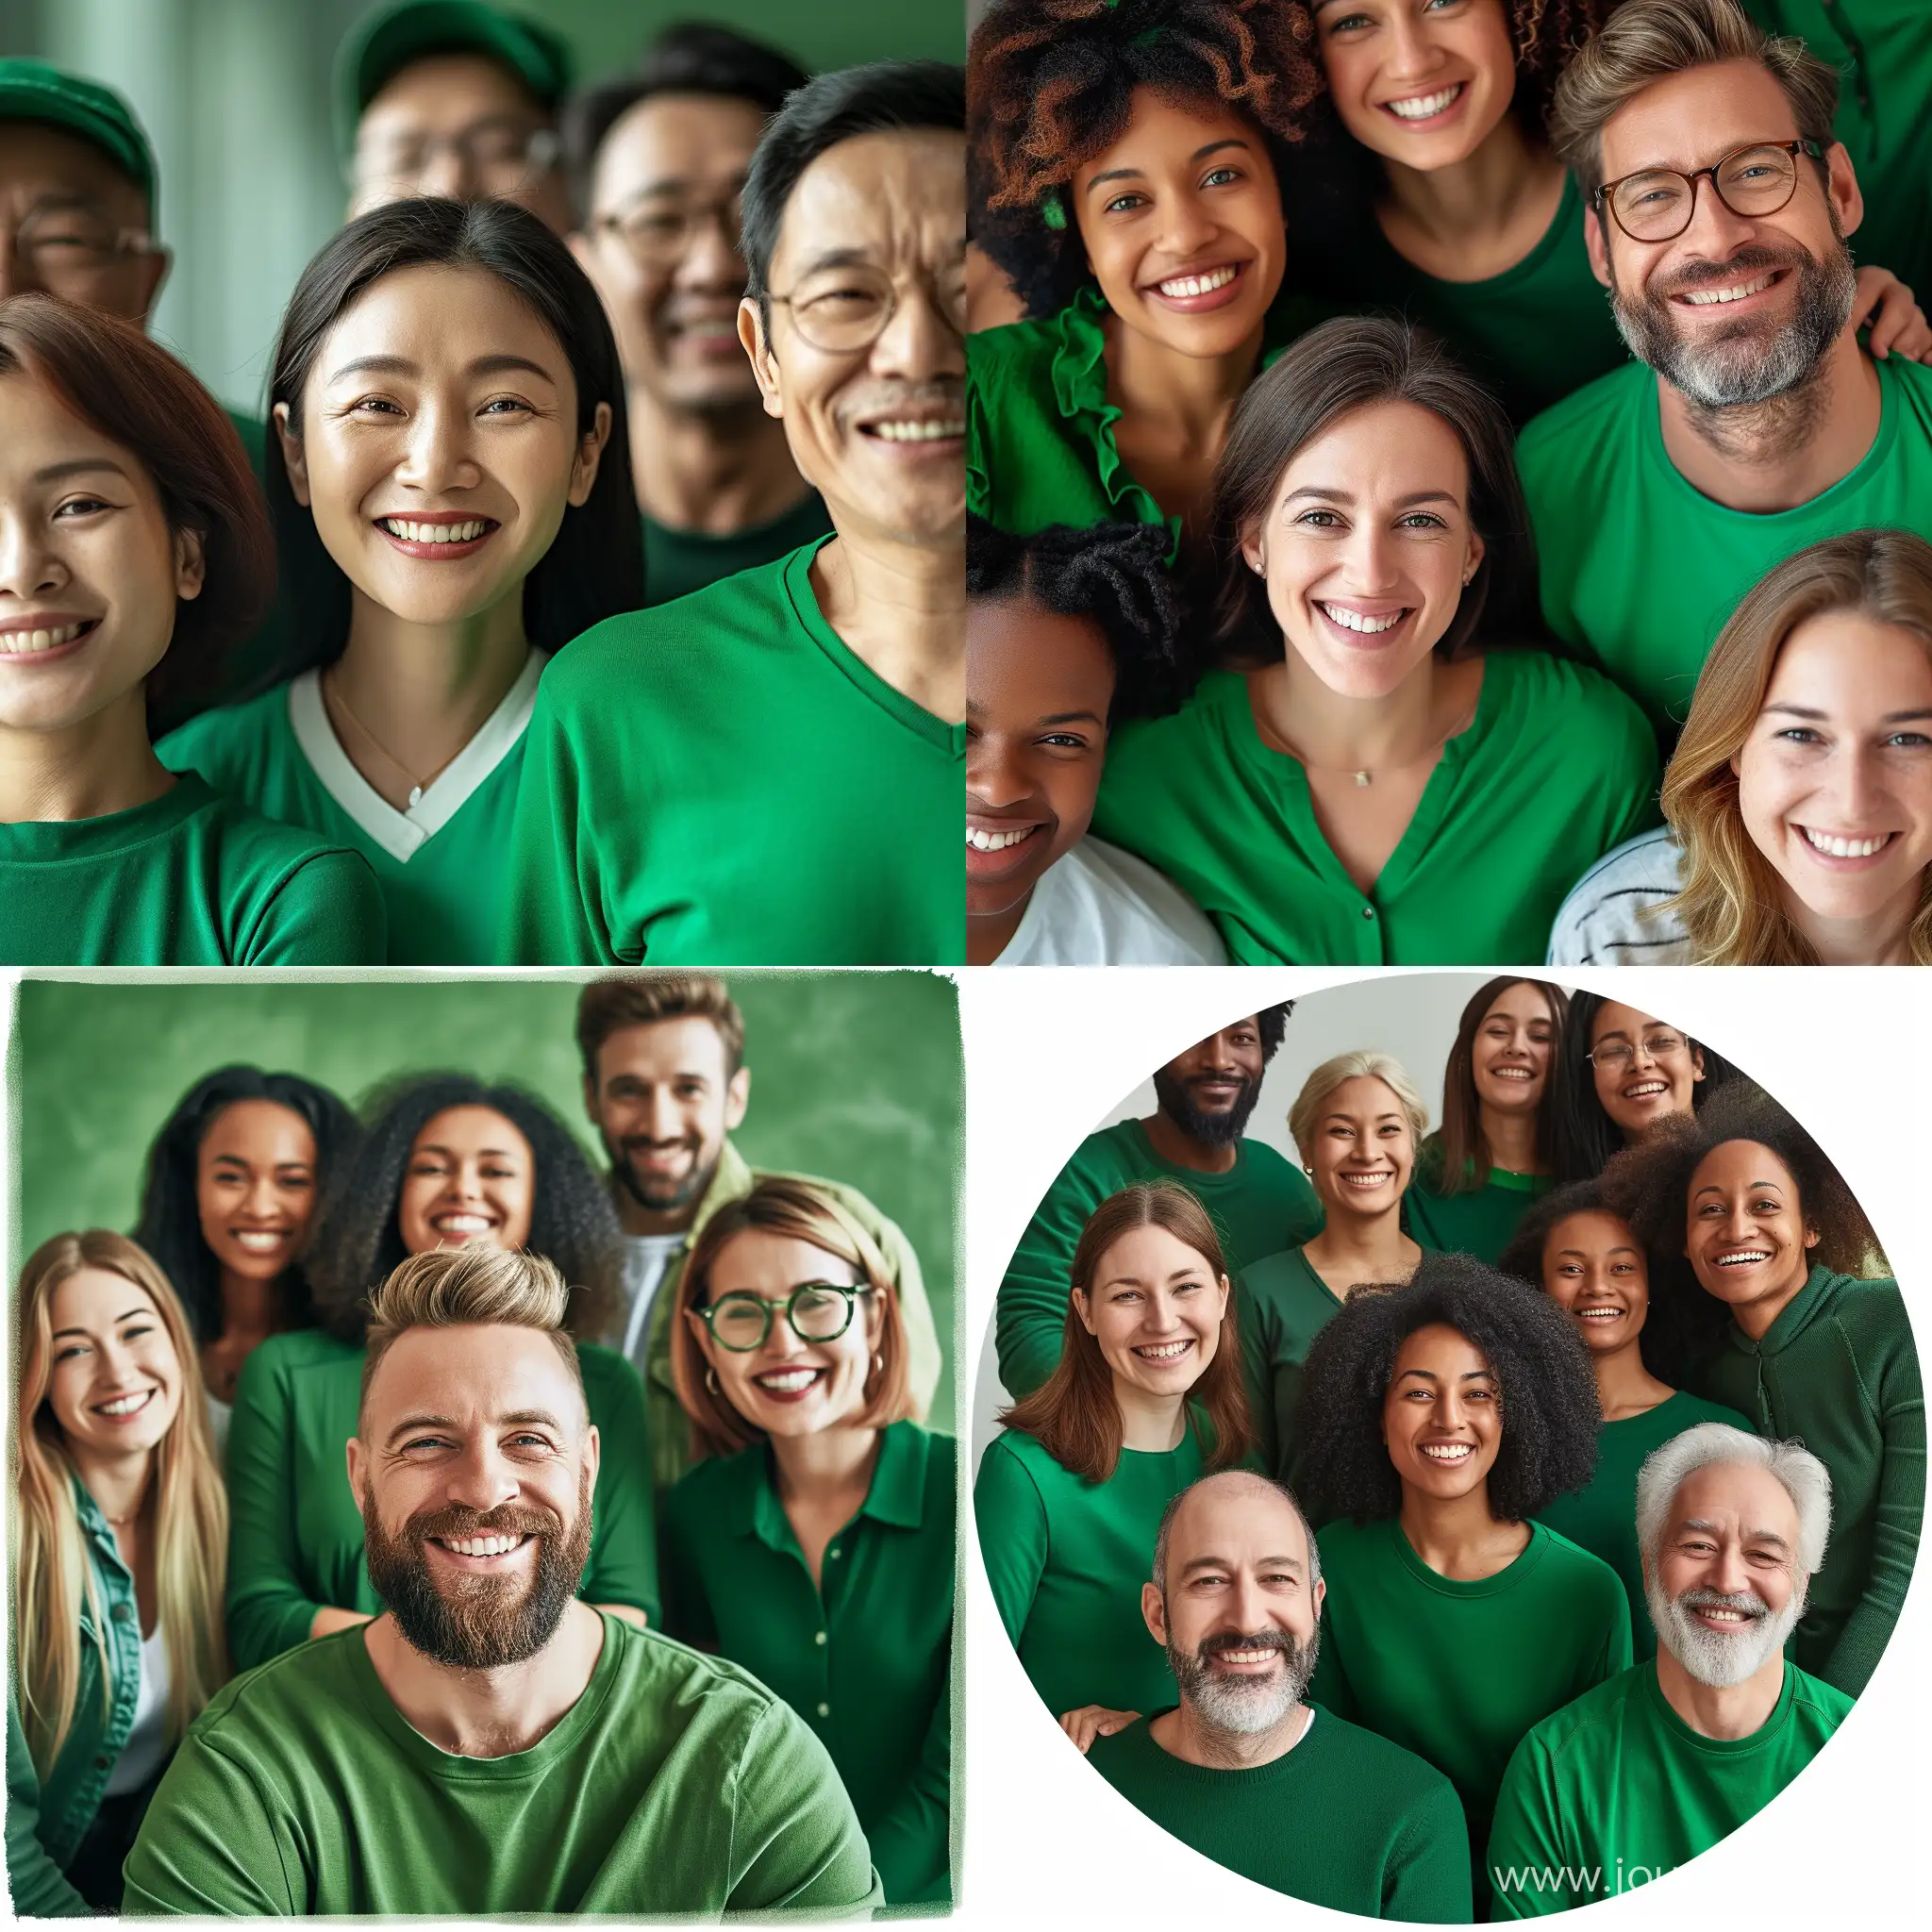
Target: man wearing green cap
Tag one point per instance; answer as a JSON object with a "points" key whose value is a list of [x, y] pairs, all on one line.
{"points": [[454, 98]]}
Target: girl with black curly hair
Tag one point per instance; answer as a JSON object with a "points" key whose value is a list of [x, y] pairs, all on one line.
{"points": [[1066, 632], [232, 1185], [447, 1160], [1438, 1420], [1791, 1318], [1127, 157], [1585, 1257]]}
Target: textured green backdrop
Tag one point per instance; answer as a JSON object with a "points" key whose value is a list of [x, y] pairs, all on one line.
{"points": [[855, 1076]]}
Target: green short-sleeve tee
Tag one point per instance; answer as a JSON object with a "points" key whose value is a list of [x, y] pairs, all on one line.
{"points": [[1457, 1672], [864, 1655], [1482, 1221], [188, 879], [1261, 1204], [1617, 1790], [1645, 569], [441, 862], [1602, 1518], [722, 782], [677, 562], [1839, 1369], [1284, 1304], [1555, 768], [296, 1534], [1066, 1559], [675, 1785], [1345, 1820]]}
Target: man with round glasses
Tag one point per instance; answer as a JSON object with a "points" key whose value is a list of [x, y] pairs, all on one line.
{"points": [[772, 771], [659, 157], [1754, 422]]}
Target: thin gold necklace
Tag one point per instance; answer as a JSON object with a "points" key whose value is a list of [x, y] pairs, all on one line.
{"points": [[416, 784]]}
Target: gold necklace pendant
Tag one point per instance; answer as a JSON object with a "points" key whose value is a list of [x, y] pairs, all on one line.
{"points": [[1361, 777]]}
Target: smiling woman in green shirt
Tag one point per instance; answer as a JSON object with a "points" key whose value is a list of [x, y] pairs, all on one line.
{"points": [[813, 1542], [140, 556], [1377, 788], [1147, 1396], [447, 1160]]}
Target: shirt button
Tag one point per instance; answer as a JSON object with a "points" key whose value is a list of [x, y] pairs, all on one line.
{"points": [[836, 1553], [1368, 912], [824, 1710], [820, 1638]]}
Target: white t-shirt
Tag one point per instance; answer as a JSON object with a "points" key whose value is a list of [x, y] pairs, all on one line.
{"points": [[1603, 922], [645, 1258], [147, 1742], [1098, 906]]}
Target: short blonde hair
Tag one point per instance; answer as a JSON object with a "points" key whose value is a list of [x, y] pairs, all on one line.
{"points": [[1366, 1065]]}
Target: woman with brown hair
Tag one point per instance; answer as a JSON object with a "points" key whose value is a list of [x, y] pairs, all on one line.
{"points": [[137, 553], [1148, 1397], [1377, 783], [1494, 1153], [1800, 799], [120, 1527], [813, 1541]]}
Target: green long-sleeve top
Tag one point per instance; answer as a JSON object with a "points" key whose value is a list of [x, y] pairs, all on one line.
{"points": [[864, 1656], [1837, 1369], [1284, 1306], [1261, 1204], [1066, 1559], [296, 1534], [1480, 1221]]}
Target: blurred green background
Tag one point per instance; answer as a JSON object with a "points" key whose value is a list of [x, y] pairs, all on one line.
{"points": [[855, 1076], [235, 95]]}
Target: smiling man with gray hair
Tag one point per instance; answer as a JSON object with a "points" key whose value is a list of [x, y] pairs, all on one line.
{"points": [[1646, 1771]]}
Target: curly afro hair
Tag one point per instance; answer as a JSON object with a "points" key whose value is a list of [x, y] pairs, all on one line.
{"points": [[1115, 577], [1050, 84], [357, 1242], [1649, 1185], [1542, 1370]]}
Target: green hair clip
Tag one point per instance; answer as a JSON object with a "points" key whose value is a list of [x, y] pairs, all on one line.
{"points": [[1053, 210]]}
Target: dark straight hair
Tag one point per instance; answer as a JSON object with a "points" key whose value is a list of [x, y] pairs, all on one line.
{"points": [[595, 568], [1458, 1152], [1356, 362]]}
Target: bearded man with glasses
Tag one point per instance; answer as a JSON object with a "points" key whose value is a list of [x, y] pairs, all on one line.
{"points": [[1754, 422]]}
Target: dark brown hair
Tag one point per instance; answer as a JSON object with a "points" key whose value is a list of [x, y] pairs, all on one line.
{"points": [[1074, 1415], [643, 999], [138, 396], [1358, 362], [1457, 1153]]}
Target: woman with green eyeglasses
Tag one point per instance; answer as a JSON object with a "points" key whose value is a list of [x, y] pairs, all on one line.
{"points": [[813, 1542]]}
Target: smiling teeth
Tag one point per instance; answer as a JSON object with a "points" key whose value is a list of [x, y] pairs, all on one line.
{"points": [[1423, 106], [933, 431], [433, 533], [1644, 1089], [1747, 1259], [789, 1381], [259, 1240], [1447, 1452], [996, 841], [1509, 1073], [480, 1545], [1366, 1180], [461, 1224], [1354, 620], [1704, 297], [1599, 1314], [1198, 285], [1844, 848], [24, 643], [126, 1404], [1247, 1656], [1163, 1351]]}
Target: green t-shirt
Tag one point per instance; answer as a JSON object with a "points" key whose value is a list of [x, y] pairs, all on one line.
{"points": [[1066, 1559], [1531, 335], [441, 862], [721, 782], [677, 562], [1839, 1369], [1482, 1222], [1261, 1204], [296, 1534], [1345, 1820], [1602, 1518], [188, 879], [865, 1655], [1457, 1672], [675, 1784], [1284, 1306], [1617, 1790], [1556, 768], [1644, 569]]}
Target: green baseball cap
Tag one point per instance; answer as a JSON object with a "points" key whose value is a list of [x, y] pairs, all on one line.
{"points": [[386, 41], [33, 90]]}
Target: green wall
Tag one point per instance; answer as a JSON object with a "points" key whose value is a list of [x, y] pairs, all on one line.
{"points": [[855, 1076]]}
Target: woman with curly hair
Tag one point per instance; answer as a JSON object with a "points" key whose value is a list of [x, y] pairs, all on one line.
{"points": [[1147, 1397], [1789, 1317], [1066, 632], [446, 1159], [1127, 157], [1439, 1419], [233, 1181], [1799, 801], [1585, 1257]]}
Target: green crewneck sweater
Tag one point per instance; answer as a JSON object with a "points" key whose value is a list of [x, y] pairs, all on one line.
{"points": [[1837, 1369], [1481, 1222], [1285, 1305]]}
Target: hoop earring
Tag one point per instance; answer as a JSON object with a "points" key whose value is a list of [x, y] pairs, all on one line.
{"points": [[711, 1380]]}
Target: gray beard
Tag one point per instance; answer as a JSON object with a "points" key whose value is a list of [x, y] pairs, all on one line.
{"points": [[1708, 1656], [1244, 1706]]}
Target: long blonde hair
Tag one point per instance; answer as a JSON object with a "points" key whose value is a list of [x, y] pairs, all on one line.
{"points": [[1731, 900], [53, 1578]]}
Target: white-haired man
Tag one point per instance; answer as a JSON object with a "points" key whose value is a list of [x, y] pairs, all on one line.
{"points": [[1646, 1771]]}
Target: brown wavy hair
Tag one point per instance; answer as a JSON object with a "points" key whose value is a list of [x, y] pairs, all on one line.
{"points": [[1457, 1155], [1074, 1415], [1731, 900]]}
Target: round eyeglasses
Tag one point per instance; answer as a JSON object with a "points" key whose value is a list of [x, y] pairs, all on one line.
{"points": [[1656, 204], [66, 250], [659, 232], [494, 158], [843, 310], [1657, 1046], [817, 1310]]}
